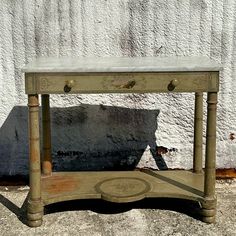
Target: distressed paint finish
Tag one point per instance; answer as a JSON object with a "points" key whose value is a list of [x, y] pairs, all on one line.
{"points": [[121, 83], [198, 133], [46, 136], [210, 145], [209, 206], [122, 186], [34, 207], [125, 186]]}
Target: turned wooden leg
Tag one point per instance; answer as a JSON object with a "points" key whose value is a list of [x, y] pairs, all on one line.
{"points": [[209, 204], [46, 133], [35, 207], [198, 127]]}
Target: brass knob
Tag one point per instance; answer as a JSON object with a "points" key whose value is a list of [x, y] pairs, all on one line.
{"points": [[173, 84], [69, 85]]}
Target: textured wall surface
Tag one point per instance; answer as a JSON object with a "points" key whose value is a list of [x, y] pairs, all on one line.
{"points": [[115, 131]]}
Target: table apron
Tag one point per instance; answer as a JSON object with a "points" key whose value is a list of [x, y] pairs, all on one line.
{"points": [[72, 83]]}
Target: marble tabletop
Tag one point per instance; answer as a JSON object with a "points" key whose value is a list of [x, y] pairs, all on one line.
{"points": [[121, 64]]}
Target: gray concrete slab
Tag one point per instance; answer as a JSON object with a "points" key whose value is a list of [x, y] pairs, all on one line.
{"points": [[156, 217]]}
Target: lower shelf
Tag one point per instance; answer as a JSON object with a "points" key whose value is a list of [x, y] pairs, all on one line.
{"points": [[122, 186]]}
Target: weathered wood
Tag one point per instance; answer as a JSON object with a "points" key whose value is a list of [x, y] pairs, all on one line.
{"points": [[122, 186], [210, 172], [35, 207], [59, 83], [41, 78], [46, 136], [198, 133]]}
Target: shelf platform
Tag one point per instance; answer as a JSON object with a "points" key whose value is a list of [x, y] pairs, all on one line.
{"points": [[122, 186]]}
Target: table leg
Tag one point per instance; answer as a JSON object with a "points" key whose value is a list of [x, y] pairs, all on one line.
{"points": [[198, 127], [209, 203], [35, 207], [46, 135]]}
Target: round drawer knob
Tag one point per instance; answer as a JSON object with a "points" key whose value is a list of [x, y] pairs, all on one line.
{"points": [[173, 84], [69, 85]]}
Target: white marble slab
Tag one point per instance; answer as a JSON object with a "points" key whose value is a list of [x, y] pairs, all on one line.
{"points": [[122, 64]]}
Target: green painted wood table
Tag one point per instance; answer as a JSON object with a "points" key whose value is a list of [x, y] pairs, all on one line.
{"points": [[46, 76]]}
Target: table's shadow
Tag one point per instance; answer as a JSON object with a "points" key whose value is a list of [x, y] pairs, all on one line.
{"points": [[20, 212], [84, 137], [100, 137], [187, 207]]}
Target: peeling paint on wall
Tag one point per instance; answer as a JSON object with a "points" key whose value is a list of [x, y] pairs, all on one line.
{"points": [[232, 136]]}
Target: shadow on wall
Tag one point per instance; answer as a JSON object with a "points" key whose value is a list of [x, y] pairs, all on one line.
{"points": [[85, 137]]}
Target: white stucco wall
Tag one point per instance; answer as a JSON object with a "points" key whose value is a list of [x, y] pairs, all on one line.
{"points": [[98, 125]]}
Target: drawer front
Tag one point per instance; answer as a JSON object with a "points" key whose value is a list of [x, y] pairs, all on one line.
{"points": [[50, 83]]}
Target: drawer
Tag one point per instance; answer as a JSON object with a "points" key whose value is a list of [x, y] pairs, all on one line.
{"points": [[50, 83]]}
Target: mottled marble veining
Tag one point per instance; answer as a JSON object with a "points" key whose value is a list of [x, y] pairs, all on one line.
{"points": [[122, 64]]}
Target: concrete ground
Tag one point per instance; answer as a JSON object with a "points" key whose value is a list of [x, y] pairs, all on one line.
{"points": [[153, 217]]}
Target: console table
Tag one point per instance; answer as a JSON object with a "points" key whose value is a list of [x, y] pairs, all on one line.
{"points": [[46, 76]]}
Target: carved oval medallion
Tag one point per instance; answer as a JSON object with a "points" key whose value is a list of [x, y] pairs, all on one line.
{"points": [[123, 189], [43, 83]]}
